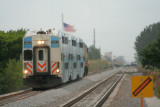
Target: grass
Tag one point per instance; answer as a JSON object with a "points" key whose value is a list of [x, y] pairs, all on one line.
{"points": [[96, 65], [156, 79]]}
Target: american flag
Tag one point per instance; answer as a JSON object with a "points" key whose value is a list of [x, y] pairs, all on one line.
{"points": [[68, 28]]}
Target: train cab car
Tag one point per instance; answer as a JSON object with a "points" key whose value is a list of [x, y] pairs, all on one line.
{"points": [[52, 57]]}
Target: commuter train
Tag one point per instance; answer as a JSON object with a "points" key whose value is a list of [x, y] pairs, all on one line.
{"points": [[53, 57]]}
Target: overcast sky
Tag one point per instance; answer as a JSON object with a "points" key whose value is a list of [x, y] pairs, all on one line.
{"points": [[117, 22]]}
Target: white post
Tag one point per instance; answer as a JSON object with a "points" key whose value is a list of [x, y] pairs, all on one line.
{"points": [[62, 22]]}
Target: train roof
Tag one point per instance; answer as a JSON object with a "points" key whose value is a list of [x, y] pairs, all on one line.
{"points": [[55, 32], [33, 32]]}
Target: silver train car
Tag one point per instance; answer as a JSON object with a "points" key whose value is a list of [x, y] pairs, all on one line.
{"points": [[53, 57]]}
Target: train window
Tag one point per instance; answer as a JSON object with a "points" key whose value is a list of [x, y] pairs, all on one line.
{"points": [[66, 40], [40, 54], [75, 65], [78, 57], [70, 56], [58, 64], [74, 43], [63, 41], [81, 64], [66, 65], [27, 55], [81, 45]]}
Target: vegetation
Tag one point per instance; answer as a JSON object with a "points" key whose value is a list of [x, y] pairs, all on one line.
{"points": [[10, 66], [11, 77], [148, 35], [95, 62], [150, 55], [156, 78], [147, 46], [96, 65], [94, 53]]}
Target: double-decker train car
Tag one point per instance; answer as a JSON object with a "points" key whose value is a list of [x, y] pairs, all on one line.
{"points": [[53, 57]]}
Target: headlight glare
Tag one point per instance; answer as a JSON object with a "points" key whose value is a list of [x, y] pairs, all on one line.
{"points": [[57, 71], [25, 71]]}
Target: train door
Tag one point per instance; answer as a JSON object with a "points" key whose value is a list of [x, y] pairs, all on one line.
{"points": [[41, 60]]}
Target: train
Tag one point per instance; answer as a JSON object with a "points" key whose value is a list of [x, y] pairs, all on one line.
{"points": [[53, 57]]}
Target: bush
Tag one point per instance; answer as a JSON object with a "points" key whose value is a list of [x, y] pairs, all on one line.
{"points": [[11, 77], [156, 79], [96, 65]]}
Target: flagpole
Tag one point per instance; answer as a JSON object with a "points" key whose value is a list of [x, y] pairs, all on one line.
{"points": [[62, 23]]}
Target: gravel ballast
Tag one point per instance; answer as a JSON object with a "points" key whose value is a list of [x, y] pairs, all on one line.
{"points": [[121, 96], [57, 96]]}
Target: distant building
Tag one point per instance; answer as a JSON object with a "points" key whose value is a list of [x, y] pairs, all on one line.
{"points": [[108, 56]]}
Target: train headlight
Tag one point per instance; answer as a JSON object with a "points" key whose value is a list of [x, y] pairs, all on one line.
{"points": [[40, 42], [25, 71], [57, 71]]}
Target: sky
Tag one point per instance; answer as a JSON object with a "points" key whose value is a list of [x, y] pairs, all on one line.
{"points": [[117, 22]]}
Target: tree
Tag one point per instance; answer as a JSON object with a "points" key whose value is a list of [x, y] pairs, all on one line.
{"points": [[11, 78], [10, 45], [151, 54], [148, 35], [10, 66], [94, 53]]}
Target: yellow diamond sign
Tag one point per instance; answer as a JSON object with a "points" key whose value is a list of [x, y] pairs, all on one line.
{"points": [[142, 86]]}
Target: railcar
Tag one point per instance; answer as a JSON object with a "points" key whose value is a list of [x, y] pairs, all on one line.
{"points": [[53, 57]]}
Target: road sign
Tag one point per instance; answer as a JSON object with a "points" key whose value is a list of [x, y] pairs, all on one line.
{"points": [[142, 86]]}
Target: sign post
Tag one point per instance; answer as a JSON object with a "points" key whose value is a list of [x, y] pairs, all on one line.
{"points": [[141, 101], [142, 86]]}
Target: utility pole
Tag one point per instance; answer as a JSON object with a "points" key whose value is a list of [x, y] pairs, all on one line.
{"points": [[94, 41]]}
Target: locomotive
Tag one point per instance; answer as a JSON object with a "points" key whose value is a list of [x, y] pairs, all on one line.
{"points": [[53, 57]]}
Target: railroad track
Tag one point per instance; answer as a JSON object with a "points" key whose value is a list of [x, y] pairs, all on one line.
{"points": [[15, 96], [11, 97], [96, 95]]}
